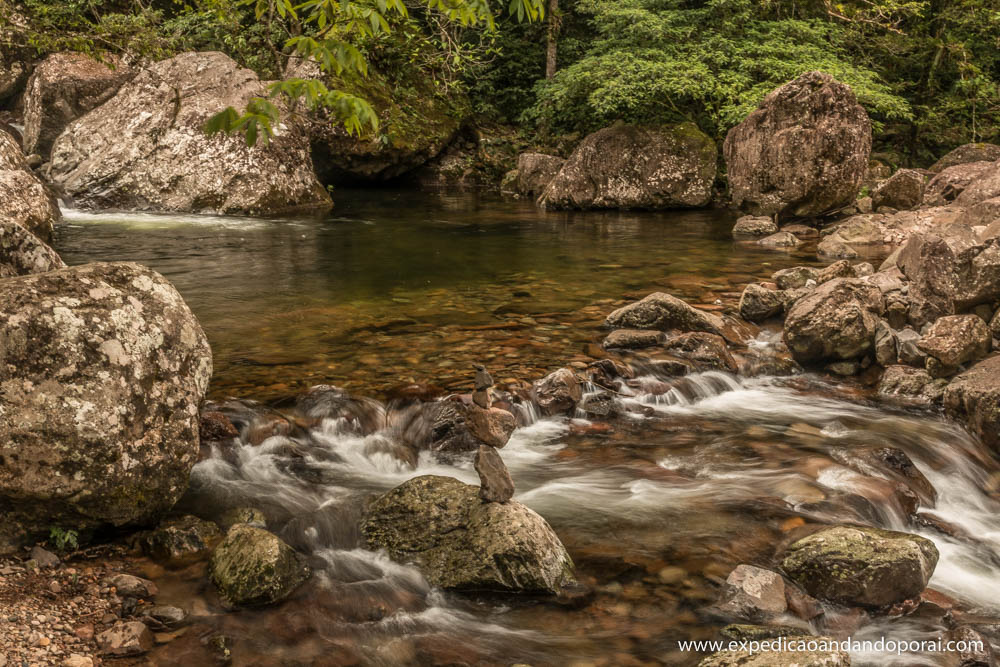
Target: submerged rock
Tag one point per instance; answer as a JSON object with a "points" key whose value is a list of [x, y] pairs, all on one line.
{"points": [[705, 349], [62, 88], [102, 369], [631, 339], [803, 152], [780, 240], [22, 253], [460, 542], [663, 312], [836, 322], [146, 149], [254, 567], [625, 166], [861, 566], [974, 397], [24, 199]]}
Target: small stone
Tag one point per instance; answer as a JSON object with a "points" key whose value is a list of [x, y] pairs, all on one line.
{"points": [[495, 484], [44, 558], [754, 593], [77, 660], [131, 586], [780, 240], [125, 639]]}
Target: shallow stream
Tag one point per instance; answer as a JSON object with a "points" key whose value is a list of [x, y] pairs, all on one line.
{"points": [[656, 509]]}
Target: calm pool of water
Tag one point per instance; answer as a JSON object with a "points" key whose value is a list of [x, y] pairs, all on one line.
{"points": [[399, 286]]}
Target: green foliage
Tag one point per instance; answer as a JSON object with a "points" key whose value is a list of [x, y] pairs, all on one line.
{"points": [[654, 61], [327, 33], [64, 540]]}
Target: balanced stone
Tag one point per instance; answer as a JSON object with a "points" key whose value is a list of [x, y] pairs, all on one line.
{"points": [[495, 484]]}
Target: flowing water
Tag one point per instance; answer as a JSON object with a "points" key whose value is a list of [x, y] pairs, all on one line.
{"points": [[656, 508]]}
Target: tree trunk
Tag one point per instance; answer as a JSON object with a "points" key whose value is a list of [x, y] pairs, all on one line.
{"points": [[550, 56]]}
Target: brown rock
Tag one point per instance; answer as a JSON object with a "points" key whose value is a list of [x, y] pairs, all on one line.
{"points": [[495, 484], [631, 339], [956, 340], [535, 171], [804, 151], [836, 322], [626, 166], [952, 181], [558, 392], [974, 397], [493, 426], [125, 639], [903, 190], [215, 426], [976, 152]]}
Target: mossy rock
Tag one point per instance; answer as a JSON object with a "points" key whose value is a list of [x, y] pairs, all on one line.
{"points": [[180, 541], [861, 566], [254, 567], [460, 542]]}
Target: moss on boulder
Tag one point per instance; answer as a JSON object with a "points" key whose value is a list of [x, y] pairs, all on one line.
{"points": [[254, 567]]}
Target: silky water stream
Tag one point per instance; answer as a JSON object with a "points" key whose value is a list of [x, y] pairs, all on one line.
{"points": [[656, 507]]}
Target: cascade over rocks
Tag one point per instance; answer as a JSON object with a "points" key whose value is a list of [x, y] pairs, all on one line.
{"points": [[24, 199], [861, 566], [460, 542], [836, 322], [62, 88], [803, 152], [146, 149], [535, 171], [21, 252], [630, 167], [102, 370], [974, 398]]}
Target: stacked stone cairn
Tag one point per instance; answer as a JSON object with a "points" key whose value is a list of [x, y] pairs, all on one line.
{"points": [[495, 483]]}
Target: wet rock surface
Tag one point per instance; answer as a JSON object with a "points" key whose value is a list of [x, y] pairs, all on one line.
{"points": [[253, 567], [462, 543], [861, 566]]}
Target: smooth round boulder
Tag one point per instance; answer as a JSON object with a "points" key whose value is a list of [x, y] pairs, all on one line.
{"points": [[102, 369], [803, 152], [253, 567], [835, 322], [459, 542], [861, 566], [632, 167], [146, 147]]}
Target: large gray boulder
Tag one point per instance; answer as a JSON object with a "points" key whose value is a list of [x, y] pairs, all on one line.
{"points": [[803, 152], [626, 167], [861, 566], [62, 88], [253, 567], [974, 397], [21, 252], [102, 370], [146, 149], [836, 322], [535, 171], [460, 542], [24, 199]]}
